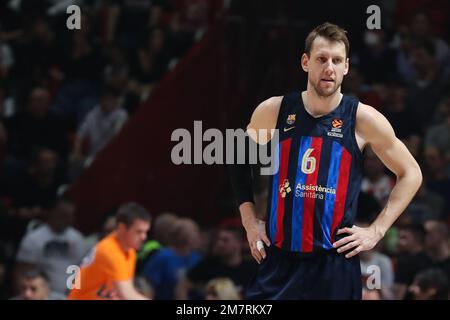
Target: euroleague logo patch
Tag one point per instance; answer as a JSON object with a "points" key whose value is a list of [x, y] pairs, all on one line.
{"points": [[337, 123], [336, 128]]}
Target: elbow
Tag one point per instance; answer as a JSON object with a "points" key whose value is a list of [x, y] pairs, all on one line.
{"points": [[413, 175], [416, 177]]}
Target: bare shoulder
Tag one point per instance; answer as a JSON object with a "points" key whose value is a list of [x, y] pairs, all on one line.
{"points": [[265, 116], [266, 113], [372, 125], [367, 115]]}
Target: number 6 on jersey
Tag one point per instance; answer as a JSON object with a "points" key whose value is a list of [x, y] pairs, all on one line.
{"points": [[308, 163]]}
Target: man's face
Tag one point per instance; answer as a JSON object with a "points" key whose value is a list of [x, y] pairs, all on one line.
{"points": [[433, 238], [135, 234], [34, 289], [62, 217], [109, 103], [226, 243], [405, 240], [326, 66]]}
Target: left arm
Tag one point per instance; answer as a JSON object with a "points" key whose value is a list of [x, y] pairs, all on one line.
{"points": [[373, 128]]}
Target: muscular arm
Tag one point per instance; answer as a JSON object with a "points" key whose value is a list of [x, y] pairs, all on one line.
{"points": [[373, 129], [263, 120], [264, 117]]}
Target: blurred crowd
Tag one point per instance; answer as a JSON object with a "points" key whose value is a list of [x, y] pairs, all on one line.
{"points": [[65, 94]]}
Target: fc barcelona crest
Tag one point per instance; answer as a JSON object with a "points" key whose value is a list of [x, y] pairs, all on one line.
{"points": [[290, 119]]}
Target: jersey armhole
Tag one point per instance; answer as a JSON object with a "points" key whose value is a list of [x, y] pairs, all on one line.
{"points": [[358, 151]]}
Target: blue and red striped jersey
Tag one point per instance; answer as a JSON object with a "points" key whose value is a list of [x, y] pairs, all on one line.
{"points": [[315, 189]]}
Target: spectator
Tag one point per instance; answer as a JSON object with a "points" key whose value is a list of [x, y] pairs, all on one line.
{"points": [[427, 87], [426, 205], [354, 85], [412, 257], [396, 111], [225, 261], [439, 135], [38, 189], [430, 284], [161, 238], [151, 63], [53, 246], [437, 244], [222, 289], [34, 285], [37, 128], [421, 29], [164, 268], [100, 125], [437, 179], [107, 272], [377, 60]]}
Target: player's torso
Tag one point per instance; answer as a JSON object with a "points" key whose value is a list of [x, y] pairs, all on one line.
{"points": [[97, 273], [318, 180]]}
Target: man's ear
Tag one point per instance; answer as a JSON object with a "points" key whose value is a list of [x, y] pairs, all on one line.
{"points": [[304, 62], [347, 65], [121, 227]]}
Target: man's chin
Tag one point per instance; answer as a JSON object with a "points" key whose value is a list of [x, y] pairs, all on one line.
{"points": [[327, 91]]}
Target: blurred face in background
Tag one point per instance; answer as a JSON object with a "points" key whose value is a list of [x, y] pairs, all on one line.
{"points": [[185, 235], [437, 234], [422, 60], [434, 160], [420, 25], [227, 244], [326, 66], [134, 235], [406, 241], [62, 217], [34, 289], [109, 102]]}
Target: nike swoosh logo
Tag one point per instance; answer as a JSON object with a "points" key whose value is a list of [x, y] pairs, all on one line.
{"points": [[287, 129]]}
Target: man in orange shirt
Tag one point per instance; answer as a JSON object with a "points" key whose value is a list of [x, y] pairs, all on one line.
{"points": [[107, 271]]}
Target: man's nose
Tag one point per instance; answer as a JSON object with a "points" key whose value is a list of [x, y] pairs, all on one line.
{"points": [[329, 66]]}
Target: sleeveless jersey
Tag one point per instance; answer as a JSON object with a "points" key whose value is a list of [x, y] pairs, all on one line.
{"points": [[315, 189]]}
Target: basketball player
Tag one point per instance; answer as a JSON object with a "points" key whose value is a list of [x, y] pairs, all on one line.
{"points": [[107, 273], [308, 247]]}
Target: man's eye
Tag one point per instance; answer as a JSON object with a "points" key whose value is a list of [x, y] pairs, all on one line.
{"points": [[336, 61]]}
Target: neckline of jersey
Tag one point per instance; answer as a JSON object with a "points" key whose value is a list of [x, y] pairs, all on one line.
{"points": [[302, 107]]}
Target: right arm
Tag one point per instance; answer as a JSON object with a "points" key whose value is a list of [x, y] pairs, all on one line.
{"points": [[127, 291], [263, 118]]}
